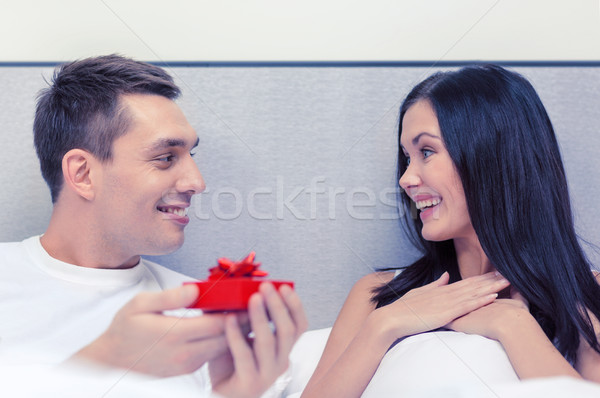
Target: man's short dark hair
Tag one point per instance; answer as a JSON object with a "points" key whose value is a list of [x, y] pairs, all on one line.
{"points": [[81, 108]]}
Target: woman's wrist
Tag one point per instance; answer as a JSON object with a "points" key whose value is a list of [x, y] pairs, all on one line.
{"points": [[386, 328], [513, 321]]}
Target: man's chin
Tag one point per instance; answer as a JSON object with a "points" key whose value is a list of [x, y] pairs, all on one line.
{"points": [[165, 246]]}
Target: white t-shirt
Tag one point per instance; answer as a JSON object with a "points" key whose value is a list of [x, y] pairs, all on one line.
{"points": [[50, 309], [54, 309]]}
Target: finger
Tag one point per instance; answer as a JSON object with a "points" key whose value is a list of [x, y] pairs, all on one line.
{"points": [[495, 285], [480, 285], [243, 358], [264, 340], [220, 368], [475, 292], [201, 327], [498, 283], [295, 308], [441, 281], [243, 321], [243, 318], [179, 297], [284, 326], [474, 303], [199, 352], [488, 277], [471, 297]]}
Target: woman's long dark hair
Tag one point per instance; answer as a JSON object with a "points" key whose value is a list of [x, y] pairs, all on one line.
{"points": [[503, 146]]}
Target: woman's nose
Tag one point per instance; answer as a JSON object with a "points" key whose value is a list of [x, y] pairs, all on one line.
{"points": [[409, 178]]}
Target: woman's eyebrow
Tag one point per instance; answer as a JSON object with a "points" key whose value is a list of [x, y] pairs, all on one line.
{"points": [[418, 137]]}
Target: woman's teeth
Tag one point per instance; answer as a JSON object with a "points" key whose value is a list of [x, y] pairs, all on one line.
{"points": [[421, 204]]}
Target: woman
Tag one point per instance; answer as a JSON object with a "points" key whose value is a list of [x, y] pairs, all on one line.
{"points": [[479, 159]]}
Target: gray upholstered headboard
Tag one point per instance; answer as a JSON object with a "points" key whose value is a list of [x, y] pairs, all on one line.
{"points": [[300, 167]]}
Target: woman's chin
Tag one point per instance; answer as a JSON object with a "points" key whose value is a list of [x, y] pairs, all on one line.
{"points": [[433, 235]]}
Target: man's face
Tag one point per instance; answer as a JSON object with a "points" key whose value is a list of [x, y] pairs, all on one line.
{"points": [[146, 188]]}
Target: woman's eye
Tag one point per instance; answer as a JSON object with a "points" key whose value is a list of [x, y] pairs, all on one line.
{"points": [[426, 153], [407, 162]]}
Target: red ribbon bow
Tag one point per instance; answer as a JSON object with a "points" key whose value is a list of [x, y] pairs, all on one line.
{"points": [[236, 269]]}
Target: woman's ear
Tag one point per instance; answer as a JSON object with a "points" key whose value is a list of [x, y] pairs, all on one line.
{"points": [[77, 172]]}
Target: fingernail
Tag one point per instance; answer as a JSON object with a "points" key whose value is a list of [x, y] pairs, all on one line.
{"points": [[266, 288], [500, 275], [259, 299], [285, 290]]}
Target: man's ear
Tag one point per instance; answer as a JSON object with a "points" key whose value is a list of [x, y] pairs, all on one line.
{"points": [[77, 168]]}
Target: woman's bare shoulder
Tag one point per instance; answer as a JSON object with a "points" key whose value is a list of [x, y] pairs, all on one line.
{"points": [[359, 298], [373, 280]]}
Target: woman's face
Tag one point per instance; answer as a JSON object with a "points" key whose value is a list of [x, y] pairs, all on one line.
{"points": [[430, 179]]}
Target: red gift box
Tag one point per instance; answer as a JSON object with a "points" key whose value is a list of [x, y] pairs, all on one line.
{"points": [[230, 285]]}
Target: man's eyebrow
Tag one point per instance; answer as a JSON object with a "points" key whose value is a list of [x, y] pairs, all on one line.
{"points": [[165, 143]]}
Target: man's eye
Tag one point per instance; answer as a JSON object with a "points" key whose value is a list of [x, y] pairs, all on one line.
{"points": [[166, 158]]}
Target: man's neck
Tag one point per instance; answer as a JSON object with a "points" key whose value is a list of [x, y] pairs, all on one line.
{"points": [[83, 249]]}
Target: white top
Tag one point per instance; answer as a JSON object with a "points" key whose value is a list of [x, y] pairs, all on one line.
{"points": [[423, 365], [52, 309], [435, 360]]}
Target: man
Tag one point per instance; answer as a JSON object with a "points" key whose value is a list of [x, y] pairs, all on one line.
{"points": [[117, 154]]}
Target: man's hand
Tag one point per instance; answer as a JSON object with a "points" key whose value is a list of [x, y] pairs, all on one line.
{"points": [[251, 367], [142, 339]]}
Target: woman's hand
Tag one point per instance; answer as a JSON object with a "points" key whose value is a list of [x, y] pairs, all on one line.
{"points": [[491, 321], [439, 303], [529, 350], [362, 334]]}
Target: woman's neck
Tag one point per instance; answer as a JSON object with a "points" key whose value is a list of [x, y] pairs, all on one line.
{"points": [[471, 259]]}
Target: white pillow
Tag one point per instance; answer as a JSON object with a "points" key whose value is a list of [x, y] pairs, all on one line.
{"points": [[304, 358]]}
